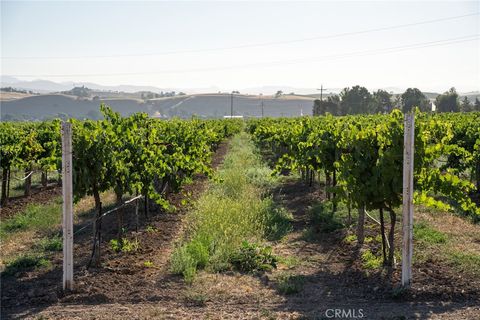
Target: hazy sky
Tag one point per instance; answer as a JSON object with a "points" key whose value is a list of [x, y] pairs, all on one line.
{"points": [[189, 44]]}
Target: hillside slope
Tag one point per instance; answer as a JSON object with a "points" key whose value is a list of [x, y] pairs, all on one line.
{"points": [[203, 105]]}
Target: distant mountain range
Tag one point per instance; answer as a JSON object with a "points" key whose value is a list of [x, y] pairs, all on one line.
{"points": [[47, 86]]}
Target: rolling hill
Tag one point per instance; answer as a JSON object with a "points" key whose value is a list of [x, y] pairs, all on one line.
{"points": [[202, 105]]}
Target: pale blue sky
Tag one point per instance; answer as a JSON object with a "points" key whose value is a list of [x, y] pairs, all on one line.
{"points": [[116, 43]]}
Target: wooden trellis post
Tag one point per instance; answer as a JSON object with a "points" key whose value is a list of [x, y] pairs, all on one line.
{"points": [[408, 152], [67, 191]]}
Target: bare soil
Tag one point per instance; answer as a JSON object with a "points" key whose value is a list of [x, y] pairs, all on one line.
{"points": [[38, 196], [333, 278]]}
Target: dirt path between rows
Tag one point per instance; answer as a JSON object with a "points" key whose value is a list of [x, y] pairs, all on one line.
{"points": [[334, 279]]}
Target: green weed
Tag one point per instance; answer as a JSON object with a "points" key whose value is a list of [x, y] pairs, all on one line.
{"points": [[148, 264], [54, 243], [466, 262], [290, 284], [426, 234], [322, 217], [25, 262], [125, 245], [197, 298], [290, 262], [278, 221], [350, 238], [36, 217], [251, 257], [370, 261], [151, 229]]}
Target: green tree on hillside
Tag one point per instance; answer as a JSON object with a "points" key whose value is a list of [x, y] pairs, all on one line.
{"points": [[355, 100], [476, 105], [466, 105], [330, 105], [448, 101], [413, 97], [381, 102]]}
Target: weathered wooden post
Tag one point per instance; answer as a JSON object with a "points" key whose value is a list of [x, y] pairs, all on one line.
{"points": [[408, 152], [67, 191]]}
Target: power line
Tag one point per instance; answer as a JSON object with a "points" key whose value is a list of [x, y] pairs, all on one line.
{"points": [[252, 45], [274, 63]]}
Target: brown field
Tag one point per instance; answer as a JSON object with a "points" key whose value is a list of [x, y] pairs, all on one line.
{"points": [[9, 96]]}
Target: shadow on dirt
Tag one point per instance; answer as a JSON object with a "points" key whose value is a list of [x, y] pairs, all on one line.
{"points": [[339, 282]]}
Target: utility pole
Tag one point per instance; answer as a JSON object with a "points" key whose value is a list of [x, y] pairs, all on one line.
{"points": [[321, 92], [231, 105], [261, 102]]}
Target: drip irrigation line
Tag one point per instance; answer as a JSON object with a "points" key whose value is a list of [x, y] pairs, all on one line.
{"points": [[108, 212]]}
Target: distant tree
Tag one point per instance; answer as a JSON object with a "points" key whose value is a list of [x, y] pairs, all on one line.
{"points": [[466, 105], [181, 93], [381, 102], [236, 92], [355, 100], [63, 116], [79, 92], [168, 94], [10, 89], [278, 94], [397, 102], [95, 98], [94, 115], [413, 97], [330, 105], [476, 105], [448, 101]]}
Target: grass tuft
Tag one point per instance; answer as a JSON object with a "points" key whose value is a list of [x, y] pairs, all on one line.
{"points": [[466, 262], [36, 217], [54, 243], [125, 245], [350, 238], [422, 232], [323, 218], [371, 261], [252, 257], [26, 262], [290, 284]]}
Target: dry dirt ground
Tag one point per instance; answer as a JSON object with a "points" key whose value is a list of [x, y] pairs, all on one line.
{"points": [[8, 96], [332, 280], [38, 196]]}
